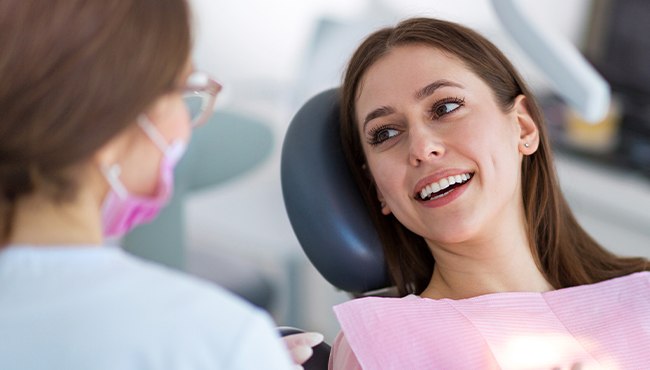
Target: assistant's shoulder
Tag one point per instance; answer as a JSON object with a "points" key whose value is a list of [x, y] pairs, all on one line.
{"points": [[174, 290], [208, 320]]}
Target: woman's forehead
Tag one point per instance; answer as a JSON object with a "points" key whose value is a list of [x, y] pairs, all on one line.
{"points": [[409, 69], [410, 65]]}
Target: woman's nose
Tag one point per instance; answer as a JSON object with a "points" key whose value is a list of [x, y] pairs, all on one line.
{"points": [[425, 145]]}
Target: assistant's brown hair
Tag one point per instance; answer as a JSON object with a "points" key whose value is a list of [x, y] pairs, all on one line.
{"points": [[564, 252], [74, 74]]}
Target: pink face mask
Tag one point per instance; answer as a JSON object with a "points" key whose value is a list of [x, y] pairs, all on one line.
{"points": [[122, 211]]}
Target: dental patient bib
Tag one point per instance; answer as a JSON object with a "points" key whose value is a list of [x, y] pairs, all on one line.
{"points": [[599, 326]]}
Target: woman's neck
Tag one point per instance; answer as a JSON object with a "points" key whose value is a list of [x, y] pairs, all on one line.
{"points": [[40, 221], [501, 262], [515, 275]]}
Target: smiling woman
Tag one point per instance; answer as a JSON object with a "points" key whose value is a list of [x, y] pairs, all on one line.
{"points": [[450, 152]]}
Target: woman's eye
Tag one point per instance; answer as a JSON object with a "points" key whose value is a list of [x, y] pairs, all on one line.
{"points": [[382, 134], [386, 134], [440, 109], [443, 109]]}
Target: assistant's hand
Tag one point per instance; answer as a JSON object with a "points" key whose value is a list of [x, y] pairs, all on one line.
{"points": [[300, 345]]}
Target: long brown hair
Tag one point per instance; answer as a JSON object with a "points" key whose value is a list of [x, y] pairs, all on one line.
{"points": [[74, 74], [564, 252]]}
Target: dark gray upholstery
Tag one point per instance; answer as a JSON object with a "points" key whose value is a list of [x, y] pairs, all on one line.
{"points": [[324, 205]]}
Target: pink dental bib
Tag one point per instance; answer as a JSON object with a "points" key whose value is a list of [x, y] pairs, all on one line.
{"points": [[601, 326]]}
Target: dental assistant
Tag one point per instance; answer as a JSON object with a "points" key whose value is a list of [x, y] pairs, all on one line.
{"points": [[92, 122]]}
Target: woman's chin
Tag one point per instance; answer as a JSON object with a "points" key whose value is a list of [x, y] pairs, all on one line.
{"points": [[451, 234]]}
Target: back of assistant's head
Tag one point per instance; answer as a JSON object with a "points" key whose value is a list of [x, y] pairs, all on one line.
{"points": [[408, 257], [74, 74]]}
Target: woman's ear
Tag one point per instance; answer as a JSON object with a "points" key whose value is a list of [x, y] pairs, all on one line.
{"points": [[528, 131]]}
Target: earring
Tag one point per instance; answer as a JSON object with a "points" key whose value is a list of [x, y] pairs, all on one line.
{"points": [[526, 145], [382, 204]]}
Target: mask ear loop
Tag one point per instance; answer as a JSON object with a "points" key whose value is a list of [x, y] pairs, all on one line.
{"points": [[112, 172], [173, 151], [153, 133], [112, 175]]}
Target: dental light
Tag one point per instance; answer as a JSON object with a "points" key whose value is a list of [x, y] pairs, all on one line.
{"points": [[571, 76]]}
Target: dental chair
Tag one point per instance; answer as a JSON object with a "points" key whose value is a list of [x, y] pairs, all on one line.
{"points": [[325, 207]]}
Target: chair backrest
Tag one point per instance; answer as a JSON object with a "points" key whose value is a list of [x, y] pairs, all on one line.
{"points": [[324, 205]]}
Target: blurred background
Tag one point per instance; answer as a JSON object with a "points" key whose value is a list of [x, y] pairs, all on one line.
{"points": [[227, 221]]}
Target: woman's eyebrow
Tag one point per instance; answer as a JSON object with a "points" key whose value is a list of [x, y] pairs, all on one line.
{"points": [[419, 95], [432, 87], [379, 112]]}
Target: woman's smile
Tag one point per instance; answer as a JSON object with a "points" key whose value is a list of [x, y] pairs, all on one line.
{"points": [[438, 189]]}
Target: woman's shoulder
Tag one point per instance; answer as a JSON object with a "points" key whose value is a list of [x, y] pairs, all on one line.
{"points": [[627, 284], [388, 303], [404, 333], [396, 314]]}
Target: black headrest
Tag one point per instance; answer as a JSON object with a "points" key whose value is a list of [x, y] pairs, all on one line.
{"points": [[324, 204]]}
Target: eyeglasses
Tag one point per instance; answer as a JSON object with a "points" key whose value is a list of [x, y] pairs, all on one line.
{"points": [[200, 94]]}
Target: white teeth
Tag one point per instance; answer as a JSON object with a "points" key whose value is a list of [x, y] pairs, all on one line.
{"points": [[443, 184]]}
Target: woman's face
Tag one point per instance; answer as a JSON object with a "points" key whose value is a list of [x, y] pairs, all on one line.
{"points": [[444, 156]]}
